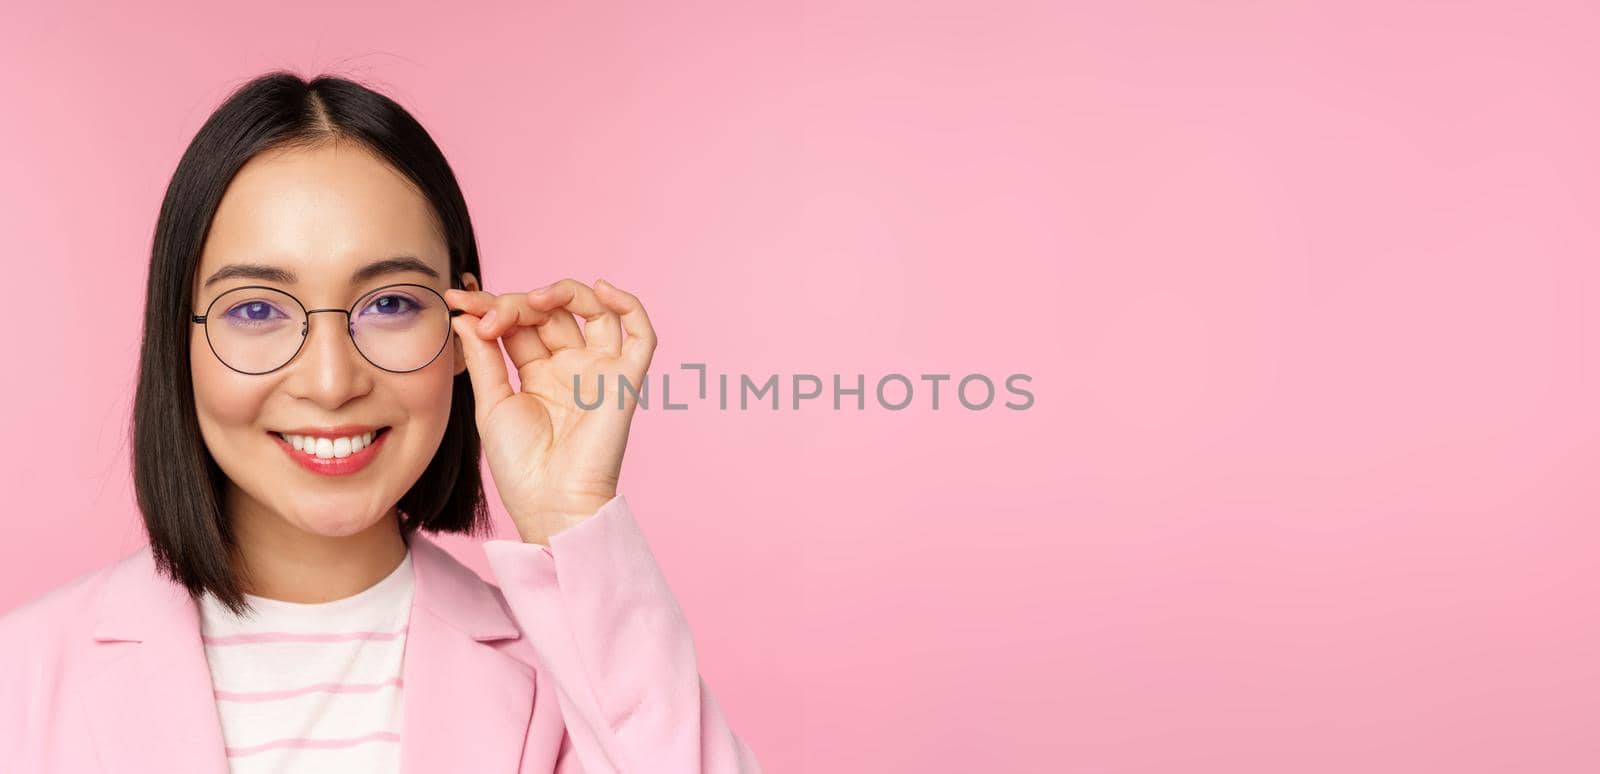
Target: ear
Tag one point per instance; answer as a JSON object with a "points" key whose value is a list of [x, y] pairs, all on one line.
{"points": [[469, 282], [460, 357]]}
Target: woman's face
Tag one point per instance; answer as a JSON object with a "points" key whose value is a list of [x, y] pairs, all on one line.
{"points": [[319, 216]]}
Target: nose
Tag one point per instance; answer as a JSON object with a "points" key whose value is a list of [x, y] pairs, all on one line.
{"points": [[329, 371]]}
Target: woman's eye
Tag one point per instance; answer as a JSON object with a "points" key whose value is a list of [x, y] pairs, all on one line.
{"points": [[391, 305], [254, 311]]}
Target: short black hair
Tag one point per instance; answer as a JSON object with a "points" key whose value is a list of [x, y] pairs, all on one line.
{"points": [[178, 485]]}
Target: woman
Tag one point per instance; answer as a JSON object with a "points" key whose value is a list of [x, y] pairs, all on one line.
{"points": [[319, 364]]}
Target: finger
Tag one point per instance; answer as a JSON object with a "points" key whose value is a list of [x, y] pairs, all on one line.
{"points": [[509, 310], [498, 313], [568, 296], [486, 367], [641, 344], [478, 302], [522, 337], [561, 332], [508, 317], [601, 328]]}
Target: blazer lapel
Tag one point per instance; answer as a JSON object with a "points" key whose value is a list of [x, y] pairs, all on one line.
{"points": [[467, 702], [150, 703]]}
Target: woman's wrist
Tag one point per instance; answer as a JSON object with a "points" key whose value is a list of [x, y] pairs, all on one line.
{"points": [[540, 523]]}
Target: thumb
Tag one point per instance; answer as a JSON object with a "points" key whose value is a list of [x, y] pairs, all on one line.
{"points": [[486, 366]]}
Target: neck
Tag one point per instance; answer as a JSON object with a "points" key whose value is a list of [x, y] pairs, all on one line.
{"points": [[289, 564]]}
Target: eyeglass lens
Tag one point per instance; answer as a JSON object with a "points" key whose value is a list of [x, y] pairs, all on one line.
{"points": [[396, 328]]}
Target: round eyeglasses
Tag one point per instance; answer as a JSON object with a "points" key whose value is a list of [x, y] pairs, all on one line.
{"points": [[256, 330]]}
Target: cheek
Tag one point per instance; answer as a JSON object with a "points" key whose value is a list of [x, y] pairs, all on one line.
{"points": [[425, 395], [423, 398], [224, 399]]}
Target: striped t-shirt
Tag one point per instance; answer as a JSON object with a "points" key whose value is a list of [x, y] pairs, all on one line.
{"points": [[312, 687]]}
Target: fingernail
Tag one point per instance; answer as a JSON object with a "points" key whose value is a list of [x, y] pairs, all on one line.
{"points": [[488, 320]]}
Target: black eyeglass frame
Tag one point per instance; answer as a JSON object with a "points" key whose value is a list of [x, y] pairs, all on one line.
{"points": [[305, 325]]}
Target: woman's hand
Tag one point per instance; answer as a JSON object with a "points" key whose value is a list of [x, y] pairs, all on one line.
{"points": [[554, 462]]}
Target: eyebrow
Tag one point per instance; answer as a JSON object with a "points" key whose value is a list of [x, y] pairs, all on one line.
{"points": [[266, 273]]}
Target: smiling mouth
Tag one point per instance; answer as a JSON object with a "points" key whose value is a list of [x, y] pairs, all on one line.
{"points": [[323, 447]]}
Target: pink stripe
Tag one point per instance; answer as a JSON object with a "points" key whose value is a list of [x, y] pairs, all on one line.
{"points": [[246, 639], [289, 693], [314, 744]]}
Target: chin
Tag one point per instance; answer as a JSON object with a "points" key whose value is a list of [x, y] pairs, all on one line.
{"points": [[333, 525]]}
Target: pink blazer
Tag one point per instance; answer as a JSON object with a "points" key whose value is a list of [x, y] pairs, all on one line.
{"points": [[578, 659]]}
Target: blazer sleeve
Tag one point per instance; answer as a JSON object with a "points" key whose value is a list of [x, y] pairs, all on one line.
{"points": [[610, 636]]}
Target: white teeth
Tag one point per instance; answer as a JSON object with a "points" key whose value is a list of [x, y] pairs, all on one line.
{"points": [[329, 448]]}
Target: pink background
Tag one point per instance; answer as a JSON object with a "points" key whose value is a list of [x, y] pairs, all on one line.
{"points": [[1307, 292]]}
